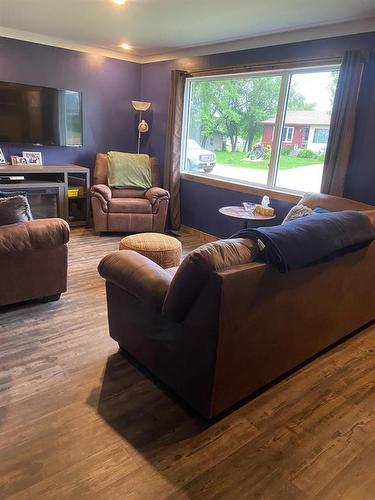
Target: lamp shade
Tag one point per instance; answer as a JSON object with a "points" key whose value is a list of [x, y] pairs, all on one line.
{"points": [[141, 105]]}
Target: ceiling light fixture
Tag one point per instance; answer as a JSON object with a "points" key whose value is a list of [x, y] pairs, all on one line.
{"points": [[118, 2], [125, 46]]}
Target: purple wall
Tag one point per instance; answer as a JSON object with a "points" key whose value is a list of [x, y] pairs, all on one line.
{"points": [[155, 80], [107, 86], [200, 203]]}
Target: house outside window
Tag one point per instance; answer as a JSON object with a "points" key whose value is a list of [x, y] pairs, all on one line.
{"points": [[259, 128]]}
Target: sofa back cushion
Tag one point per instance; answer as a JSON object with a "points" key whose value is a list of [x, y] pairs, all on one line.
{"points": [[14, 209], [128, 193], [101, 170], [10, 194], [196, 269], [332, 203]]}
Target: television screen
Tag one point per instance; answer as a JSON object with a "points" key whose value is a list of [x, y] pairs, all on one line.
{"points": [[40, 115]]}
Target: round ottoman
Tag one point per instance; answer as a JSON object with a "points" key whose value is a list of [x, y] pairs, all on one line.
{"points": [[162, 249]]}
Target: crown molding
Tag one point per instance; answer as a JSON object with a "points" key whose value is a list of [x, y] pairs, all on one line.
{"points": [[301, 34], [27, 36]]}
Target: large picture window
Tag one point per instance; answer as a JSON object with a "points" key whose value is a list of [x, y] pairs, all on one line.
{"points": [[267, 129]]}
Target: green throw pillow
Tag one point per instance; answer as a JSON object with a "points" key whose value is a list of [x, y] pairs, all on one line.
{"points": [[127, 170]]}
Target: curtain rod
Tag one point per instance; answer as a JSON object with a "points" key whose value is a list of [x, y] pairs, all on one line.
{"points": [[249, 67]]}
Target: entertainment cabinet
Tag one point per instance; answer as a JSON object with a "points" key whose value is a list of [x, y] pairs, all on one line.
{"points": [[53, 190]]}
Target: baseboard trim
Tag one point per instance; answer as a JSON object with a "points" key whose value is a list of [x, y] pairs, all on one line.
{"points": [[199, 234]]}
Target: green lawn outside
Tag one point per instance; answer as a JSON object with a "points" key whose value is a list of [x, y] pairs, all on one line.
{"points": [[286, 162]]}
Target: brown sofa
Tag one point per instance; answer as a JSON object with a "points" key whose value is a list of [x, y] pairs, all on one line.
{"points": [[127, 210], [33, 260], [222, 325]]}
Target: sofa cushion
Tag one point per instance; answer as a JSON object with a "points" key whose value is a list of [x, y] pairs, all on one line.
{"points": [[129, 206], [296, 212], [197, 267], [10, 194], [14, 209]]}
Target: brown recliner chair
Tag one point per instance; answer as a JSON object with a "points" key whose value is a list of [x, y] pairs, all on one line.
{"points": [[127, 210], [33, 260], [224, 325]]}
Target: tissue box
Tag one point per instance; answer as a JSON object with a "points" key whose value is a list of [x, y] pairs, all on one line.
{"points": [[267, 211]]}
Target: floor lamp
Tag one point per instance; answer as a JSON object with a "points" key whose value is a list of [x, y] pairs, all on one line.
{"points": [[141, 106]]}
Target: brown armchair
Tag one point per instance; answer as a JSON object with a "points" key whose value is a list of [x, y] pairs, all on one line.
{"points": [[127, 210]]}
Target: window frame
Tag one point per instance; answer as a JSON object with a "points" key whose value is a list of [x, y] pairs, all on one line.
{"points": [[305, 138], [286, 77], [286, 140], [320, 130]]}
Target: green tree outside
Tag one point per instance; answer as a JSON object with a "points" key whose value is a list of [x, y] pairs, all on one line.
{"points": [[236, 107]]}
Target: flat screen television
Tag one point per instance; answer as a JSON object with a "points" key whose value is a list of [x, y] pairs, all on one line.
{"points": [[36, 115]]}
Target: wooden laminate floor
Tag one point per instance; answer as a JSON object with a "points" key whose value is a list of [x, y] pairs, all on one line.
{"points": [[77, 420]]}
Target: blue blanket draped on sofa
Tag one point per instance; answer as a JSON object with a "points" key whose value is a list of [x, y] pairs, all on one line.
{"points": [[306, 240]]}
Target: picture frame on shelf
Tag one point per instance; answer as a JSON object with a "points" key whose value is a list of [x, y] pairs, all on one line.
{"points": [[2, 157], [33, 157], [18, 160]]}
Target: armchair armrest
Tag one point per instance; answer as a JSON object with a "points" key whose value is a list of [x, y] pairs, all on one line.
{"points": [[138, 275], [103, 193], [33, 235], [103, 190], [155, 194]]}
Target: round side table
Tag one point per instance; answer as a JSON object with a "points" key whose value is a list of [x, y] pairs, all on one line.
{"points": [[238, 212]]}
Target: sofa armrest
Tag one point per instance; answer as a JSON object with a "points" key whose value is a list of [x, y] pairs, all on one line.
{"points": [[138, 275], [33, 235], [155, 194], [371, 215]]}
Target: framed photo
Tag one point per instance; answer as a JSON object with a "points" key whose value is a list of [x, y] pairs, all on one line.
{"points": [[2, 157], [18, 160], [33, 157]]}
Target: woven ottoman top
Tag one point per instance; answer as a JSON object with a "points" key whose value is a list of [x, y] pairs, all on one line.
{"points": [[160, 248], [150, 242]]}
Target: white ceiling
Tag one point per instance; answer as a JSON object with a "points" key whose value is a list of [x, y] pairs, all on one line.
{"points": [[157, 27]]}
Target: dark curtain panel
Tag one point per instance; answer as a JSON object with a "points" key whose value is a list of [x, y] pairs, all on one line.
{"points": [[343, 123], [173, 146]]}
